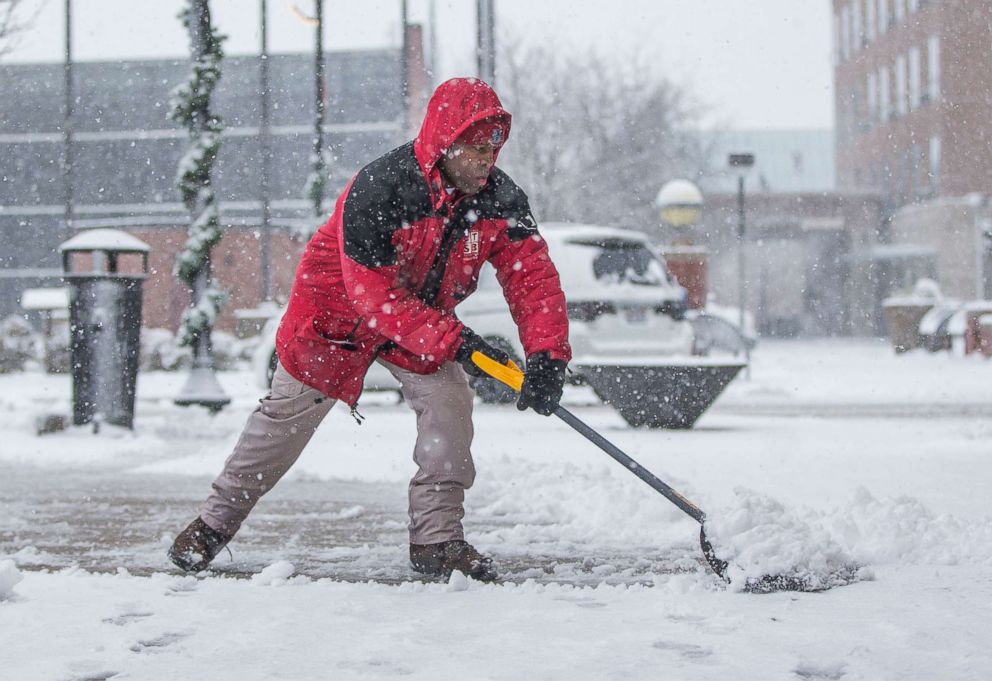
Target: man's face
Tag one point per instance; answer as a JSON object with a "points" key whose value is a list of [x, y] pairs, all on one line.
{"points": [[467, 166]]}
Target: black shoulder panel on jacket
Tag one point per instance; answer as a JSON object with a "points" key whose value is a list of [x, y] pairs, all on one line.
{"points": [[502, 198], [386, 193]]}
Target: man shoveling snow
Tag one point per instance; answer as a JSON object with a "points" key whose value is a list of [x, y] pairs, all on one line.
{"points": [[379, 282]]}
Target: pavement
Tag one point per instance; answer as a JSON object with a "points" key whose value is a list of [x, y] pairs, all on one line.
{"points": [[103, 519], [345, 530]]}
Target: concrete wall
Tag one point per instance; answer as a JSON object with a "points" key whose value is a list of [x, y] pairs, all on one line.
{"points": [[949, 227]]}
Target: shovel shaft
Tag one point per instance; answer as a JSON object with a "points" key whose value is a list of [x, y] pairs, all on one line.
{"points": [[637, 469], [512, 376]]}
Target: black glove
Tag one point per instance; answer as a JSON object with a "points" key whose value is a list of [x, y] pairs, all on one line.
{"points": [[473, 342], [543, 382]]}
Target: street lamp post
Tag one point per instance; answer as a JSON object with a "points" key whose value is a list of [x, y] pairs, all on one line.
{"points": [[742, 162], [680, 203], [265, 143], [67, 123], [486, 40]]}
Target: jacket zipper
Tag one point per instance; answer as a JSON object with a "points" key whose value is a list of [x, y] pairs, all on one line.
{"points": [[432, 283]]}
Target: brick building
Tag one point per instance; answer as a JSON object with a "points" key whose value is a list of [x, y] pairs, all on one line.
{"points": [[913, 88]]}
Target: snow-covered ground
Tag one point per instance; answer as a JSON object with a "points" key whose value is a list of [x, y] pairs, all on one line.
{"points": [[831, 451]]}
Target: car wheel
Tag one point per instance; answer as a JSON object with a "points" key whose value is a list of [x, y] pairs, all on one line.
{"points": [[489, 390], [273, 363]]}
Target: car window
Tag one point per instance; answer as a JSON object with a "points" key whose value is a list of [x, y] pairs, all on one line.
{"points": [[617, 261]]}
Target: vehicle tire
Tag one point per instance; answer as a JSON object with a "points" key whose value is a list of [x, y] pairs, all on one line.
{"points": [[273, 363], [489, 390]]}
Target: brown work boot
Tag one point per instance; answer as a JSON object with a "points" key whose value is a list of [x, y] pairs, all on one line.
{"points": [[196, 546], [440, 560]]}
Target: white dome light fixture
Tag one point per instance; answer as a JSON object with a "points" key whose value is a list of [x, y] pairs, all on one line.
{"points": [[680, 203]]}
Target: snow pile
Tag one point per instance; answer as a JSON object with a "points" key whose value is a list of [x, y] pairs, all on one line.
{"points": [[9, 576], [276, 574], [904, 530], [458, 582], [759, 537]]}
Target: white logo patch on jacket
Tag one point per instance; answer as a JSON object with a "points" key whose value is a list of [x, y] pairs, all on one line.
{"points": [[472, 244]]}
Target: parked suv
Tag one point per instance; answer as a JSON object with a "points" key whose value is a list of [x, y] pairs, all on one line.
{"points": [[622, 303]]}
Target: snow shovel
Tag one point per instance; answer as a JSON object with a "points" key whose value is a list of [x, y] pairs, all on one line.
{"points": [[511, 375]]}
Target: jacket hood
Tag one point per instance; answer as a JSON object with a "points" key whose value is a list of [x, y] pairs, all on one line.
{"points": [[455, 105]]}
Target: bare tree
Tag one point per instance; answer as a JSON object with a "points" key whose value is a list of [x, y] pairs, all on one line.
{"points": [[14, 19], [595, 139]]}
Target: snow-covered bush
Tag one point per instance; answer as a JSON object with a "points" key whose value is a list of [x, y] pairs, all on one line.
{"points": [[58, 353], [227, 350], [927, 289], [18, 344], [161, 350]]}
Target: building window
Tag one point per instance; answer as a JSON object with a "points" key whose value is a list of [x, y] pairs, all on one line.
{"points": [[933, 68], [837, 58], [915, 93], [845, 31], [857, 109], [900, 11], [935, 165], [872, 91], [870, 19], [883, 94], [913, 5], [883, 16], [857, 36], [901, 99], [916, 169]]}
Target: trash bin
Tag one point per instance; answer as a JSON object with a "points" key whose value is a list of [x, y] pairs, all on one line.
{"points": [[985, 334], [104, 270], [974, 311], [902, 321]]}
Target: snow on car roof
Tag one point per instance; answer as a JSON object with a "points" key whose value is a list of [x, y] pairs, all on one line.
{"points": [[578, 231]]}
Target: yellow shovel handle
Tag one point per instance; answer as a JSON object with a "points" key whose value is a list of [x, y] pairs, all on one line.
{"points": [[507, 374]]}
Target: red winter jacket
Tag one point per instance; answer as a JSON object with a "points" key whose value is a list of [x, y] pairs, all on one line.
{"points": [[383, 275]]}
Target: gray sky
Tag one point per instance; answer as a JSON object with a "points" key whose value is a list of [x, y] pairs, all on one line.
{"points": [[763, 64]]}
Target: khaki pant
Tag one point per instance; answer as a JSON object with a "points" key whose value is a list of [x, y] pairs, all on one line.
{"points": [[286, 418]]}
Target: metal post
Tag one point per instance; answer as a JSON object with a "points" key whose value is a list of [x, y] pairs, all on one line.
{"points": [[265, 143], [405, 66], [741, 271], [203, 359], [319, 94], [67, 122], [486, 41], [432, 44], [741, 298], [201, 387], [742, 162]]}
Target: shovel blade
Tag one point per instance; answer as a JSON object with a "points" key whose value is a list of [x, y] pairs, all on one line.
{"points": [[660, 395]]}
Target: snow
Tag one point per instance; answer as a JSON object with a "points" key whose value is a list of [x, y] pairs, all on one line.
{"points": [[833, 453], [45, 299], [655, 360], [105, 240], [9, 577]]}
